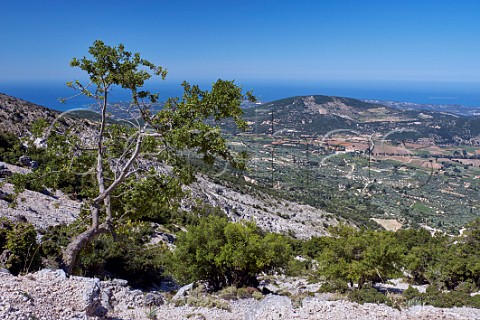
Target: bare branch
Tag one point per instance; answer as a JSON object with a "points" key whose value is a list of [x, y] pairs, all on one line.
{"points": [[123, 173], [81, 87]]}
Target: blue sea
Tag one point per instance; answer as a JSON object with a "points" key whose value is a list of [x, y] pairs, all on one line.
{"points": [[468, 94]]}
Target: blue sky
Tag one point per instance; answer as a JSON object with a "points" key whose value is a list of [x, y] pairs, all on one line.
{"points": [[271, 41]]}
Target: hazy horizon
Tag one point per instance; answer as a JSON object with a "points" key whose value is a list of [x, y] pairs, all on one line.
{"points": [[422, 51], [47, 93]]}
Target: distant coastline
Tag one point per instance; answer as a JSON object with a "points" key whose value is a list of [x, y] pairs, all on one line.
{"points": [[48, 94]]}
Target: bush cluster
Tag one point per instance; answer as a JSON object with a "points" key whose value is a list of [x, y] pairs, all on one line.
{"points": [[223, 253], [229, 255], [359, 257], [411, 297], [10, 147], [18, 246], [367, 295]]}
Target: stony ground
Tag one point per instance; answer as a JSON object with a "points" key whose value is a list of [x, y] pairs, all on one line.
{"points": [[40, 209], [49, 294], [269, 213]]}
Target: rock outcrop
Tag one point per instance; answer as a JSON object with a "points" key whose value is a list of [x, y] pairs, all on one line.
{"points": [[39, 209], [49, 294], [271, 214]]}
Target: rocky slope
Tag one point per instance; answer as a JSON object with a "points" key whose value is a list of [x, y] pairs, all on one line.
{"points": [[275, 215], [272, 214], [17, 115], [48, 294], [40, 209]]}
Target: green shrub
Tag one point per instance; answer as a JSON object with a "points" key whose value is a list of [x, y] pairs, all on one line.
{"points": [[20, 239], [224, 253], [55, 238], [359, 256], [314, 246], [10, 147], [441, 299], [333, 286], [127, 256], [474, 301], [26, 181], [367, 295], [466, 286], [412, 293], [299, 267]]}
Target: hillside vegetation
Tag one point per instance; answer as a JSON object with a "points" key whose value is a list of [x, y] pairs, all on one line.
{"points": [[212, 249]]}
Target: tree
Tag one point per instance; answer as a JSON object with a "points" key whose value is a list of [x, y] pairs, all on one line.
{"points": [[360, 256], [225, 253], [126, 154]]}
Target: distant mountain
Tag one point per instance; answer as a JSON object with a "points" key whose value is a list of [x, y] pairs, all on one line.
{"points": [[307, 116], [451, 108], [314, 116]]}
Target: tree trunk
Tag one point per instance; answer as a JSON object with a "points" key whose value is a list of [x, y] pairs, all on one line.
{"points": [[78, 243], [104, 192]]}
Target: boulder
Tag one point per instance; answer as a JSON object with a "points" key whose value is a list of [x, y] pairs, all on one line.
{"points": [[25, 161], [183, 291], [5, 196], [120, 282], [3, 270], [106, 298], [272, 307], [93, 301], [266, 287], [153, 299], [58, 273], [33, 165], [4, 172]]}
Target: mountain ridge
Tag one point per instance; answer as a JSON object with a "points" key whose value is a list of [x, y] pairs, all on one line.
{"points": [[317, 115]]}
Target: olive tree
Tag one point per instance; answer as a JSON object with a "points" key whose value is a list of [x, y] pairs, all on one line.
{"points": [[128, 152]]}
